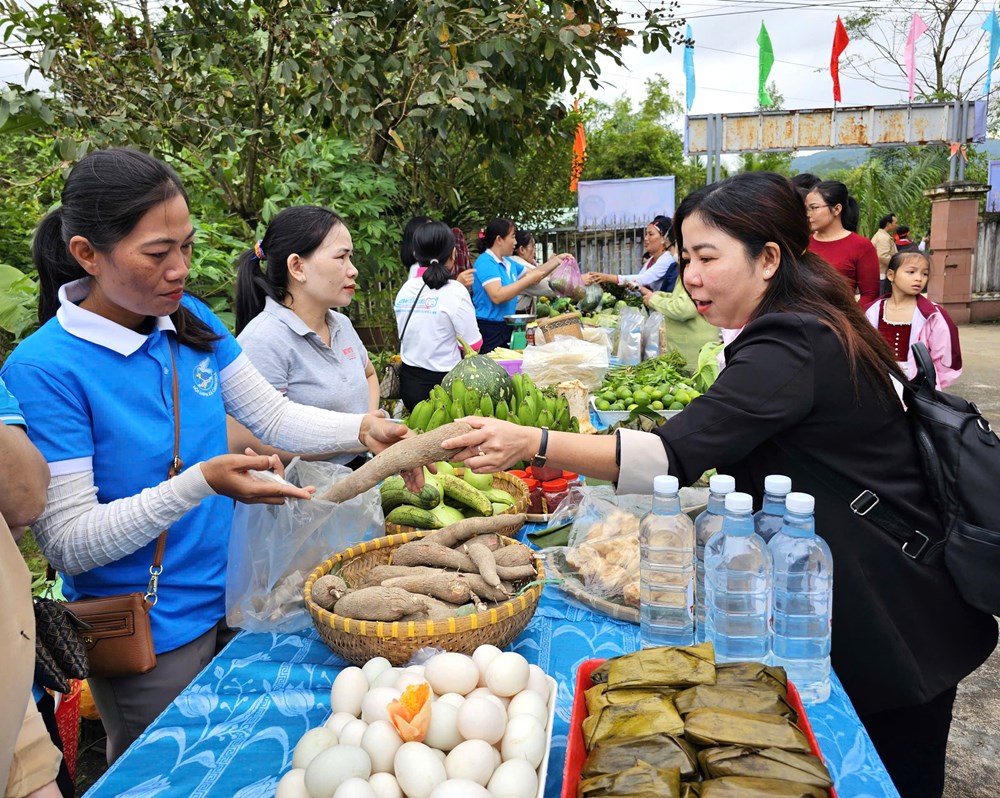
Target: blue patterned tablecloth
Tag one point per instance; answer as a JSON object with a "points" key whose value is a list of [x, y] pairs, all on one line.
{"points": [[232, 732]]}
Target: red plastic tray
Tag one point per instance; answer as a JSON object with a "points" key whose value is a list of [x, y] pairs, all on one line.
{"points": [[576, 751]]}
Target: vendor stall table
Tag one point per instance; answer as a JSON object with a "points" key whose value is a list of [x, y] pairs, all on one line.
{"points": [[231, 733]]}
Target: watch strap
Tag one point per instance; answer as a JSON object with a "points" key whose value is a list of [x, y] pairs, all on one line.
{"points": [[539, 459]]}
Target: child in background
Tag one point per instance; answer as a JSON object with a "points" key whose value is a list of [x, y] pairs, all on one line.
{"points": [[905, 317]]}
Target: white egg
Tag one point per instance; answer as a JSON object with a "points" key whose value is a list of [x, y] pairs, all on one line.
{"points": [[387, 678], [516, 778], [352, 733], [442, 733], [384, 785], [452, 698], [338, 720], [507, 674], [417, 669], [355, 788], [292, 785], [460, 788], [381, 742], [479, 718], [418, 770], [311, 743], [408, 678], [538, 681], [528, 702], [332, 767], [483, 656], [451, 672], [440, 754], [474, 760], [374, 667], [348, 690], [524, 738], [485, 692], [373, 707]]}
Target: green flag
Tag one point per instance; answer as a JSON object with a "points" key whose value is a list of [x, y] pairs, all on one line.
{"points": [[766, 62]]}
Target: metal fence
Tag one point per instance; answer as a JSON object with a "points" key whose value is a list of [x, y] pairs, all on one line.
{"points": [[613, 249], [986, 267]]}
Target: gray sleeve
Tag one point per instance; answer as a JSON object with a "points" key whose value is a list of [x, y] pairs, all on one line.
{"points": [[268, 352]]}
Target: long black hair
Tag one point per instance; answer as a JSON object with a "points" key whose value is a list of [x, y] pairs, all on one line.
{"points": [[496, 228], [264, 273], [758, 208], [105, 196], [433, 246], [406, 245], [833, 193]]}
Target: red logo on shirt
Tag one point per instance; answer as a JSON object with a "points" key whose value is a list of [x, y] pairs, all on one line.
{"points": [[350, 354]]}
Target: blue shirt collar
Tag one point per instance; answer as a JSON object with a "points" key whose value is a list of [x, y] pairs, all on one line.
{"points": [[88, 326]]}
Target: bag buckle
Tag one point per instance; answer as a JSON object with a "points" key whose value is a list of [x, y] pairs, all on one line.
{"points": [[924, 540], [864, 502]]}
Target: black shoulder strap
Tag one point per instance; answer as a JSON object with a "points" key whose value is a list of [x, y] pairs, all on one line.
{"points": [[413, 307], [865, 503]]}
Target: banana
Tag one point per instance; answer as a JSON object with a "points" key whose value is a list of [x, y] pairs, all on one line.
{"points": [[458, 390], [486, 406], [502, 411], [438, 418], [471, 401], [524, 416], [421, 415]]}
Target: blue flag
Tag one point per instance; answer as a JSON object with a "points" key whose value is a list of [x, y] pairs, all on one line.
{"points": [[992, 27], [689, 67]]}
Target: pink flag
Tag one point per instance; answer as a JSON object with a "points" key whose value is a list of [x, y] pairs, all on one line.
{"points": [[917, 29]]}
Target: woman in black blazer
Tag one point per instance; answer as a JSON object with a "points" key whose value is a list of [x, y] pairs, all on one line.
{"points": [[806, 377]]}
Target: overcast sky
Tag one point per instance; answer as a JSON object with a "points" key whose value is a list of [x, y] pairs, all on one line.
{"points": [[726, 55]]}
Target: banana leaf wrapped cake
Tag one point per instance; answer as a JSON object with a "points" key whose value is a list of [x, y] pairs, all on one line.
{"points": [[670, 722]]}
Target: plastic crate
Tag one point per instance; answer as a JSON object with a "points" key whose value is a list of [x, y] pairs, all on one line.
{"points": [[576, 751]]}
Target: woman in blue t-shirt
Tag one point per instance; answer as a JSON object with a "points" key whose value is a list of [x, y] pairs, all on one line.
{"points": [[119, 340], [499, 280]]}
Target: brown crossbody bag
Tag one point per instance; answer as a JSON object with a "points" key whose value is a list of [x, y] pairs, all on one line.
{"points": [[116, 629]]}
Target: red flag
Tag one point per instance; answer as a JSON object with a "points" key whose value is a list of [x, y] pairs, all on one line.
{"points": [[579, 152], [840, 41]]}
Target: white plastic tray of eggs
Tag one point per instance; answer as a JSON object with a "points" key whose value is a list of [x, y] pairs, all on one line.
{"points": [[485, 731]]}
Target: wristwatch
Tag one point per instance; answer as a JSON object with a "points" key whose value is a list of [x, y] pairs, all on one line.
{"points": [[539, 459]]}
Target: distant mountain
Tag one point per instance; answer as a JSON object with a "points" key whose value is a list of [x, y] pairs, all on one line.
{"points": [[823, 162]]}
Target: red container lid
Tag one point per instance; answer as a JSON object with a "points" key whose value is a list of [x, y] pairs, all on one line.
{"points": [[518, 474], [569, 476], [531, 483], [555, 486]]}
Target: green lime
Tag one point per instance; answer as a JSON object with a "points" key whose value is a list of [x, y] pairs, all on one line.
{"points": [[623, 393], [618, 406], [655, 394], [631, 407], [641, 398], [675, 406], [602, 404], [656, 404], [609, 396]]}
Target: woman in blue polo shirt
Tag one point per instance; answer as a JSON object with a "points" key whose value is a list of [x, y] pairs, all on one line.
{"points": [[96, 385], [499, 280]]}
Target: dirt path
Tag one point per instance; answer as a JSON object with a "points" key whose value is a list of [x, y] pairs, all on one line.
{"points": [[974, 744]]}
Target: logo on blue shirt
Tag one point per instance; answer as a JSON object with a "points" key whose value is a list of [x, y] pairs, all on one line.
{"points": [[206, 380]]}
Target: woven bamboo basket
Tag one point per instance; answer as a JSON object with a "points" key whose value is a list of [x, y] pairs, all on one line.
{"points": [[564, 324], [359, 641], [514, 486]]}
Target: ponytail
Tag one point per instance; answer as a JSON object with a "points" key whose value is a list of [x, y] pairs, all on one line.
{"points": [[54, 263], [851, 215], [252, 289], [434, 248]]}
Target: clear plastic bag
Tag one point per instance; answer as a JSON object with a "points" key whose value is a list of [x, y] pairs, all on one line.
{"points": [[628, 349], [567, 281], [653, 336], [566, 359], [273, 547]]}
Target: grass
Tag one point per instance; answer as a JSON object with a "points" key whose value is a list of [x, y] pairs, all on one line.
{"points": [[36, 561]]}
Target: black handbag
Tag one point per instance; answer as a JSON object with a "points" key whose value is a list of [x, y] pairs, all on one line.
{"points": [[60, 653]]}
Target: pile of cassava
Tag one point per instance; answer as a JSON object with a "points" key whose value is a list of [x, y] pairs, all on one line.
{"points": [[458, 570]]}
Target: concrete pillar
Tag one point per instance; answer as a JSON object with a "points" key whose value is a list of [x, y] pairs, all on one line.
{"points": [[954, 226]]}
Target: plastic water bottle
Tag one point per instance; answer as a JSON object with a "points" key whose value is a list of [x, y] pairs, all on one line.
{"points": [[738, 586], [666, 569], [705, 525], [769, 518], [802, 600]]}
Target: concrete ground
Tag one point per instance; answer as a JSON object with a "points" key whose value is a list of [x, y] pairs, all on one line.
{"points": [[974, 745]]}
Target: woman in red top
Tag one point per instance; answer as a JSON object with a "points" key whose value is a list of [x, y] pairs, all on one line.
{"points": [[833, 220]]}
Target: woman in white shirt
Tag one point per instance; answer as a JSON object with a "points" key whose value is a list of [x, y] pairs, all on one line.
{"points": [[524, 253], [432, 311], [659, 272]]}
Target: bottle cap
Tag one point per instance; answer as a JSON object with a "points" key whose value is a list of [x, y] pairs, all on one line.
{"points": [[517, 473], [570, 476], [722, 483], [800, 503], [555, 486], [778, 484], [531, 483], [665, 483], [739, 502]]}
